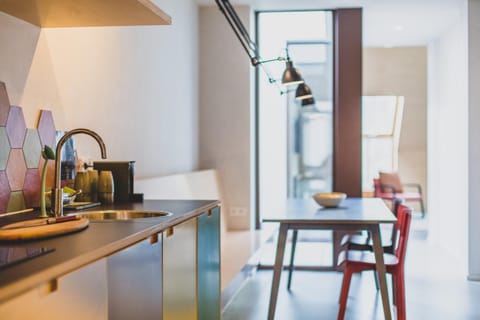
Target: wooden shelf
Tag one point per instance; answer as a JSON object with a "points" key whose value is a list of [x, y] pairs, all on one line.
{"points": [[86, 13]]}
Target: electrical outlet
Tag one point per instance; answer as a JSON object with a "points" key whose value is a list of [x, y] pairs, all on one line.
{"points": [[238, 211]]}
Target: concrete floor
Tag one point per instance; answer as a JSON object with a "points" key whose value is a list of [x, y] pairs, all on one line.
{"points": [[436, 288]]}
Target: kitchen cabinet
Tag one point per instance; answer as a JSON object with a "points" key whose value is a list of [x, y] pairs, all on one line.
{"points": [[179, 271], [79, 295], [208, 262], [134, 278], [86, 13], [163, 269]]}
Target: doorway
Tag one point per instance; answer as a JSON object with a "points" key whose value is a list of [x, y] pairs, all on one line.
{"points": [[295, 139]]}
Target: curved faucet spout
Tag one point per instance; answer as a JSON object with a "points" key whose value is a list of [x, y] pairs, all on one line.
{"points": [[57, 200]]}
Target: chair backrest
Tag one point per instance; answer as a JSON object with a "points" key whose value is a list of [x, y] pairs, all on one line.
{"points": [[395, 208], [404, 217], [376, 188]]}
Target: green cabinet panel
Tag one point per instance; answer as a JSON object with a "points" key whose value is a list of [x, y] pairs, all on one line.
{"points": [[208, 255], [179, 272], [135, 281]]}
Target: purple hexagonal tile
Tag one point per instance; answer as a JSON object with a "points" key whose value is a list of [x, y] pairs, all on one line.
{"points": [[4, 192], [46, 129], [4, 104], [16, 127], [16, 169], [31, 188]]}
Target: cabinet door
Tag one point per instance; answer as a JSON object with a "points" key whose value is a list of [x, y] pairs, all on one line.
{"points": [[179, 272], [79, 295], [135, 281], [208, 243]]}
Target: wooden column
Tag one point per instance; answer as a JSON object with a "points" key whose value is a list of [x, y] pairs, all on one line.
{"points": [[347, 153]]}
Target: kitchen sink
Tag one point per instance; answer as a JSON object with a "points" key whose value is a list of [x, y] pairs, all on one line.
{"points": [[121, 214]]}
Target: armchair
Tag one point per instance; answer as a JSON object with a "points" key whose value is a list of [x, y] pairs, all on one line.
{"points": [[389, 187]]}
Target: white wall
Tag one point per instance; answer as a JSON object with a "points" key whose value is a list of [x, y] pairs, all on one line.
{"points": [[403, 72], [136, 86], [474, 138], [448, 139], [225, 110]]}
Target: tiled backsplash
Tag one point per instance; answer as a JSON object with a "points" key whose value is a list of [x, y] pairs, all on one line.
{"points": [[20, 155]]}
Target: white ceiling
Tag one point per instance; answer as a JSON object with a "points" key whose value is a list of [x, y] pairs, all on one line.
{"points": [[386, 23]]}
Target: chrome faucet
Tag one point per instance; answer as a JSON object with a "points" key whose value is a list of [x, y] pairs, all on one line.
{"points": [[57, 200]]}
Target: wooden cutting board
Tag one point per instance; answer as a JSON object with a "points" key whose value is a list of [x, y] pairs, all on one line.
{"points": [[25, 231]]}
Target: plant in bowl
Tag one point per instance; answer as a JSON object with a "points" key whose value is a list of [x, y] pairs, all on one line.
{"points": [[329, 199]]}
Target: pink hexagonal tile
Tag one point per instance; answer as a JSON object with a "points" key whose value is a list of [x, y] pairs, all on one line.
{"points": [[50, 172], [16, 169], [46, 129], [31, 188], [4, 192], [4, 104], [16, 127], [32, 148]]}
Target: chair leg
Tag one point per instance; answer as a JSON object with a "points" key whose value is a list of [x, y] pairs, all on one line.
{"points": [[394, 291], [347, 277], [292, 257], [375, 276], [422, 207], [400, 296]]}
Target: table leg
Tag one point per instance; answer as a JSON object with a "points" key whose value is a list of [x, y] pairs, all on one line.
{"points": [[381, 270], [277, 269], [292, 257]]}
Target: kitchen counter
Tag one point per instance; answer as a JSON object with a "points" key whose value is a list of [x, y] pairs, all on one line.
{"points": [[99, 240]]}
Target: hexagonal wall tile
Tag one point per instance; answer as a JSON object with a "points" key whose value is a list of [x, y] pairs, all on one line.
{"points": [[32, 148], [16, 169], [4, 148], [4, 104], [50, 172], [16, 127], [16, 201], [31, 188], [4, 192], [46, 129]]}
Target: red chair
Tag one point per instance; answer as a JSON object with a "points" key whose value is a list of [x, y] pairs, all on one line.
{"points": [[389, 187], [358, 261], [364, 242]]}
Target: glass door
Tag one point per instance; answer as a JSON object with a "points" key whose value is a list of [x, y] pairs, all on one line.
{"points": [[294, 138]]}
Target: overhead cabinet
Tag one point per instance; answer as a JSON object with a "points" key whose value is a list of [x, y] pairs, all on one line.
{"points": [[86, 13]]}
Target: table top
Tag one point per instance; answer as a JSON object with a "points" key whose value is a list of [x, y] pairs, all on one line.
{"points": [[351, 211]]}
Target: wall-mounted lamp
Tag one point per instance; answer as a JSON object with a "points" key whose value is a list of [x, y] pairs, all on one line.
{"points": [[303, 92], [291, 75], [307, 102]]}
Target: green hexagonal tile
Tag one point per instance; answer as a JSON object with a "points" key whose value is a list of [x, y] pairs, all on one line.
{"points": [[32, 148], [4, 148], [16, 201]]}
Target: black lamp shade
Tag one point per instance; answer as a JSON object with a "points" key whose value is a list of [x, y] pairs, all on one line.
{"points": [[291, 75], [307, 102], [303, 92]]}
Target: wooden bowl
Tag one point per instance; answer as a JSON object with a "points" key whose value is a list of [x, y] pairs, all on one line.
{"points": [[330, 199]]}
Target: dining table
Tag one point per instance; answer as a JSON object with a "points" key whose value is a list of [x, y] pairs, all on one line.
{"points": [[353, 214]]}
